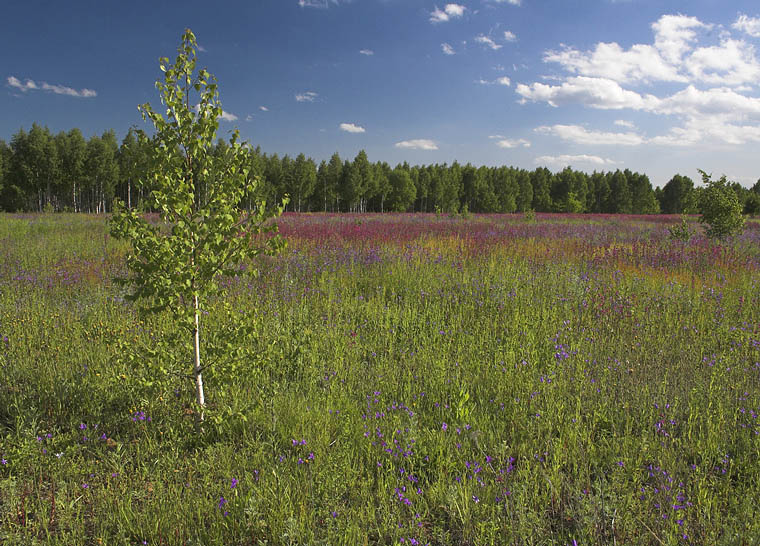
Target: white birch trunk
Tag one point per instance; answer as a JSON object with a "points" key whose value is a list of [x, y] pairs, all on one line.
{"points": [[197, 364]]}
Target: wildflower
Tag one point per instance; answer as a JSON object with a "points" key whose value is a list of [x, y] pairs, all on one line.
{"points": [[444, 426], [222, 502], [82, 426], [234, 483], [3, 461]]}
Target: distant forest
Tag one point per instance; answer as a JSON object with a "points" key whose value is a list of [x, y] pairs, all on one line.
{"points": [[65, 172]]}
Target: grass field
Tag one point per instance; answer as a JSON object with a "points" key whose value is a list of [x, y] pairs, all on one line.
{"points": [[411, 379]]}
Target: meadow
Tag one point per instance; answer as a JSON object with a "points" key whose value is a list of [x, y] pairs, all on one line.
{"points": [[407, 379]]}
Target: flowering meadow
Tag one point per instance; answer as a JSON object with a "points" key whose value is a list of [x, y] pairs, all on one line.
{"points": [[407, 380]]}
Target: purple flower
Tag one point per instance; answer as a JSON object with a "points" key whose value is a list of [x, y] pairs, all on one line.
{"points": [[82, 426], [85, 486], [3, 461], [444, 426], [234, 483], [222, 502]]}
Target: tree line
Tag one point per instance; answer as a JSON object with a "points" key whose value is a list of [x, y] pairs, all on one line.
{"points": [[65, 172]]}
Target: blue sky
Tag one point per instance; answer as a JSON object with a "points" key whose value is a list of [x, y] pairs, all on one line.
{"points": [[656, 86]]}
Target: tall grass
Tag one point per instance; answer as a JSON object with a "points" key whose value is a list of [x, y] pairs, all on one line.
{"points": [[411, 380]]}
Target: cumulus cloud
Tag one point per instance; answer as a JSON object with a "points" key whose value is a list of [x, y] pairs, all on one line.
{"points": [[717, 100], [674, 34], [306, 96], [698, 130], [263, 108], [498, 81], [673, 57], [417, 144], [625, 123], [447, 49], [367, 52], [351, 128], [512, 2], [447, 13], [731, 63], [31, 85], [571, 160], [598, 93], [610, 61], [580, 135], [512, 143], [749, 25], [488, 42], [510, 36]]}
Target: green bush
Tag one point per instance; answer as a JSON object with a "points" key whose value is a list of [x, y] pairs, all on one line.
{"points": [[720, 208], [681, 232]]}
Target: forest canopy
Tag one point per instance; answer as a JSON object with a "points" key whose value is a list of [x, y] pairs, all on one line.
{"points": [[66, 172]]}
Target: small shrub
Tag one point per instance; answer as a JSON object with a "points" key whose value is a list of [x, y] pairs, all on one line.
{"points": [[681, 232], [720, 208]]}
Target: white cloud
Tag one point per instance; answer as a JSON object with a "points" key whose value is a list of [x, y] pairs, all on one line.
{"points": [[750, 25], [598, 93], [417, 144], [495, 137], [321, 4], [674, 35], [610, 61], [351, 128], [717, 101], [263, 108], [485, 40], [31, 85], [710, 130], [454, 10], [448, 12], [625, 123], [570, 160], [509, 143], [510, 36], [672, 58], [513, 2], [580, 135], [731, 63], [367, 52], [249, 117], [307, 96], [447, 49], [500, 81]]}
